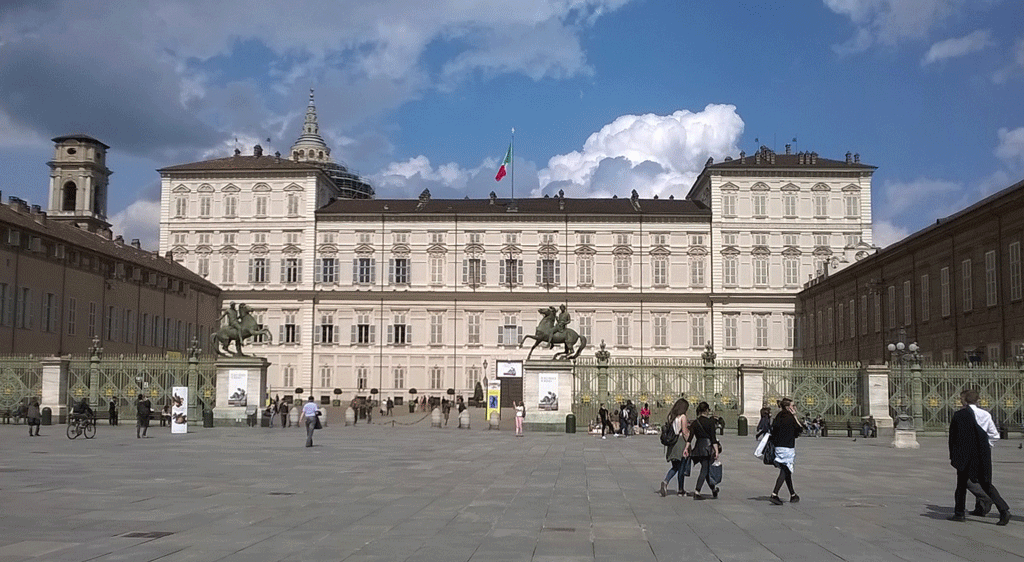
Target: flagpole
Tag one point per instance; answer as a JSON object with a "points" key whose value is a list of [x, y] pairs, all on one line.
{"points": [[511, 165]]}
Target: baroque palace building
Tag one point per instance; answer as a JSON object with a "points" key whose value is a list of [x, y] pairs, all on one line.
{"points": [[395, 294]]}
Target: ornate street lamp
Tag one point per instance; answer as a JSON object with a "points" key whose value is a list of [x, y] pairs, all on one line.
{"points": [[904, 353]]}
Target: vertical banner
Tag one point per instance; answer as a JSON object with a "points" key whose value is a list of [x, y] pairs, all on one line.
{"points": [[547, 391], [237, 381], [179, 409], [493, 398]]}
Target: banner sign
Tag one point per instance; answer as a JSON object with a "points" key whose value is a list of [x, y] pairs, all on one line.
{"points": [[547, 391], [179, 409], [510, 368], [493, 398], [237, 381]]}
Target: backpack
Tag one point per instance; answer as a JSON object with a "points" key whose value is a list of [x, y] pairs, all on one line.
{"points": [[668, 435]]}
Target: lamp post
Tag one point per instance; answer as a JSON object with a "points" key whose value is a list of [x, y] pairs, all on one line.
{"points": [[905, 353]]}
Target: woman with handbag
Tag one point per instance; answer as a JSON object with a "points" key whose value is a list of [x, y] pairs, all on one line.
{"points": [[677, 453], [785, 429], [706, 447]]}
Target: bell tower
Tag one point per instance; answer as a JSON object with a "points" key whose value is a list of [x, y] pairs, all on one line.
{"points": [[78, 182]]}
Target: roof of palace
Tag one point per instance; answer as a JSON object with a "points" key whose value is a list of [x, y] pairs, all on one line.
{"points": [[242, 163]]}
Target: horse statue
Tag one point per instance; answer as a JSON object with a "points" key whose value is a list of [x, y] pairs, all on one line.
{"points": [[546, 332], [241, 326]]}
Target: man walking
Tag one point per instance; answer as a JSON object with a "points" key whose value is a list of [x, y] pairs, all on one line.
{"points": [[603, 414], [310, 412], [970, 453], [143, 408]]}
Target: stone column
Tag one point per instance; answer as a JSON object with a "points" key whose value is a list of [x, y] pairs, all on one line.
{"points": [[603, 355], [917, 398], [752, 377], [876, 385], [55, 387]]}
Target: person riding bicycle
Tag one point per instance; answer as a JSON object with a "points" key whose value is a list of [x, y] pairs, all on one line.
{"points": [[82, 411]]}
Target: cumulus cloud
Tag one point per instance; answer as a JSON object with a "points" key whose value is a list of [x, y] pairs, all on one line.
{"points": [[901, 207], [654, 154], [958, 47], [139, 220], [1011, 147], [887, 22], [1014, 68], [885, 233]]}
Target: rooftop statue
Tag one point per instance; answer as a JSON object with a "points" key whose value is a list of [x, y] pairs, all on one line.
{"points": [[553, 329], [241, 326]]}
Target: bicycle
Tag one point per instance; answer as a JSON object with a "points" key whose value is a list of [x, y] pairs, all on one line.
{"points": [[82, 426]]}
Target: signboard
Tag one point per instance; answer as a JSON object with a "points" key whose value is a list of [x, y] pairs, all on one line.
{"points": [[547, 391], [237, 381], [510, 368], [493, 398], [179, 409]]}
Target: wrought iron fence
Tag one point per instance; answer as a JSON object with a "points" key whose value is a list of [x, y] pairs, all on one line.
{"points": [[1001, 389], [21, 379], [124, 377], [832, 390]]}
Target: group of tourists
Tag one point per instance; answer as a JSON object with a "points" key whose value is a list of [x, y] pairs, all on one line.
{"points": [[690, 443]]}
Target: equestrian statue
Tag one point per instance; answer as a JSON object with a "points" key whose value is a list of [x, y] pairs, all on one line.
{"points": [[241, 326], [553, 329]]}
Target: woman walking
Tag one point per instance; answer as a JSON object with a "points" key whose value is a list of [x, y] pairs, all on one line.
{"points": [[785, 429], [706, 447], [520, 414], [677, 453], [765, 425]]}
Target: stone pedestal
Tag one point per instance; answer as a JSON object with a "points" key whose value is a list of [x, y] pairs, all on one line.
{"points": [[547, 394], [904, 439], [55, 384], [753, 391], [237, 376], [877, 387]]}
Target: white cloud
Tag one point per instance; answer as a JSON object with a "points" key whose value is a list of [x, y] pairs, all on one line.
{"points": [[958, 47], [885, 233], [139, 220], [1011, 147], [654, 154], [887, 22]]}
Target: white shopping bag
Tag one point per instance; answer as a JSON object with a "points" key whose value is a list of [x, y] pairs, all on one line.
{"points": [[759, 451]]}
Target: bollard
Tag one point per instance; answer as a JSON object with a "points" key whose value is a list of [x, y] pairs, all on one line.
{"points": [[464, 419], [207, 418], [849, 429], [265, 419], [824, 429], [494, 420], [741, 426], [47, 416], [435, 417], [570, 423], [350, 416], [1003, 432]]}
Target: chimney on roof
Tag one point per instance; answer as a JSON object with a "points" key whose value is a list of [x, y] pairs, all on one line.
{"points": [[814, 158], [18, 204], [238, 152], [493, 196], [36, 209], [757, 157], [849, 157], [119, 240], [424, 198], [561, 200], [789, 149], [856, 158], [710, 161], [136, 244], [771, 157], [277, 154], [743, 157], [257, 151]]}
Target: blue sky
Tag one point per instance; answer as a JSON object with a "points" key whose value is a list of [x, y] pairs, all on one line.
{"points": [[606, 96]]}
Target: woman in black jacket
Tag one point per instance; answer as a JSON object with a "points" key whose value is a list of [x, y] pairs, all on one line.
{"points": [[705, 448], [785, 430]]}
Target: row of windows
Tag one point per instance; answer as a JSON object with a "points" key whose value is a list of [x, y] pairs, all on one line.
{"points": [[760, 205], [229, 207], [399, 377]]}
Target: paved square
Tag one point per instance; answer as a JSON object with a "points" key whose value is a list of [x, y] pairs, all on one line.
{"points": [[384, 492]]}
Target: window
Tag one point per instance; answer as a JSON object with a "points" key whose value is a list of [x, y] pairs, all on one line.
{"points": [[730, 329], [230, 206], [863, 315], [111, 324], [852, 240], [791, 240], [925, 295], [203, 266], [840, 322], [156, 332], [622, 321], [547, 239], [398, 271], [144, 336], [586, 326], [259, 237], [585, 238], [510, 273], [128, 331], [364, 271], [436, 328], [1016, 285], [944, 293], [48, 321], [622, 267], [729, 238], [258, 270], [791, 268], [729, 204], [991, 282], [822, 240], [328, 271], [908, 305], [585, 271], [293, 205], [437, 237], [288, 371], [761, 331], [328, 332], [363, 330], [435, 378], [659, 322], [400, 332], [204, 238], [891, 306], [659, 271], [181, 207], [72, 311], [328, 238], [180, 238], [730, 266], [622, 239], [290, 328], [853, 318], [852, 205], [326, 374], [697, 336], [473, 238], [820, 204], [366, 238], [512, 238], [258, 317], [261, 205], [968, 292], [227, 267], [437, 270], [659, 239], [509, 332], [472, 376], [473, 328], [399, 374], [362, 376], [205, 203], [696, 271], [789, 204], [548, 272], [790, 324], [877, 310], [760, 205], [760, 239], [293, 237], [697, 240], [229, 238], [474, 272], [761, 272]]}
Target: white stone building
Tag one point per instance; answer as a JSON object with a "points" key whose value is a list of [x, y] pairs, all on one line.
{"points": [[429, 294]]}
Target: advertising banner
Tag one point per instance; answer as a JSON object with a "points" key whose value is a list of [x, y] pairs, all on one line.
{"points": [[510, 368], [237, 381], [493, 398], [547, 391], [179, 409]]}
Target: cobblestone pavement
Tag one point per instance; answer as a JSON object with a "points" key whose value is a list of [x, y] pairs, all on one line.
{"points": [[394, 492]]}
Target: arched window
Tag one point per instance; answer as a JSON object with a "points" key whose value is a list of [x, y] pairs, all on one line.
{"points": [[69, 197]]}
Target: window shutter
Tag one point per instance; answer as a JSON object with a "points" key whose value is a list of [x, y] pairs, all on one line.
{"points": [[31, 310], [558, 272], [540, 271], [373, 270], [334, 333], [502, 278], [465, 272], [317, 334], [280, 333], [284, 270], [391, 333], [355, 333], [355, 270], [298, 333], [391, 271], [483, 271], [318, 271], [373, 333], [408, 333], [501, 335], [250, 270], [519, 273], [519, 332], [298, 270]]}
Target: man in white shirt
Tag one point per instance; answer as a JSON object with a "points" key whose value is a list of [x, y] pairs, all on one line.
{"points": [[310, 412], [982, 503]]}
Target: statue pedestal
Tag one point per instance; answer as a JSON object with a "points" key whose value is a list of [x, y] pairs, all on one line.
{"points": [[241, 389], [905, 439], [547, 394]]}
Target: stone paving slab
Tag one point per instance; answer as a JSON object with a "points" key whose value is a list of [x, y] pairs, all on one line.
{"points": [[399, 490]]}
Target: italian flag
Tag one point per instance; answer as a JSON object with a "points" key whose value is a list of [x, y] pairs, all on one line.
{"points": [[502, 171]]}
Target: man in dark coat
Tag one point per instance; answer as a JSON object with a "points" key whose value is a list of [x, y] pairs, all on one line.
{"points": [[971, 456]]}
